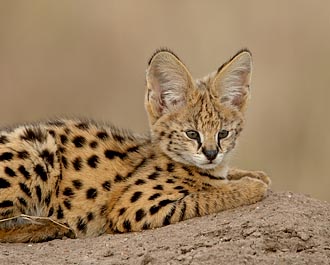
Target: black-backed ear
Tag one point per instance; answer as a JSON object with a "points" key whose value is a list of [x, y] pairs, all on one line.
{"points": [[168, 82], [232, 82]]}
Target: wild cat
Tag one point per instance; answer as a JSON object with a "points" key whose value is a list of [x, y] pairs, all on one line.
{"points": [[79, 178]]}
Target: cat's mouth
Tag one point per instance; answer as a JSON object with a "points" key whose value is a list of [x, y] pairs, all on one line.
{"points": [[208, 165]]}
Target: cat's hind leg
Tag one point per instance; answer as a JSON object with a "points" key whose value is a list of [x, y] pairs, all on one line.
{"points": [[25, 228]]}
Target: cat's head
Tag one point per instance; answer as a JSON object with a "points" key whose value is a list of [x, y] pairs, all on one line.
{"points": [[197, 122]]}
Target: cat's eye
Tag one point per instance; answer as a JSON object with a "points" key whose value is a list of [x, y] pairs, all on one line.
{"points": [[193, 135], [222, 134]]}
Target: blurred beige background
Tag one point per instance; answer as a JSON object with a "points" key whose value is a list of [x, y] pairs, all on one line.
{"points": [[87, 59]]}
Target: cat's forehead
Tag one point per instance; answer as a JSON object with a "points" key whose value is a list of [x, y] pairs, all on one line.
{"points": [[205, 113]]}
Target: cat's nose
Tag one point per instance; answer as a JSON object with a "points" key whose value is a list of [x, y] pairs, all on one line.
{"points": [[210, 154]]}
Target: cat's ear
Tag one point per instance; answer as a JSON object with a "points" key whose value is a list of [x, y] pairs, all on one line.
{"points": [[168, 82], [232, 81]]}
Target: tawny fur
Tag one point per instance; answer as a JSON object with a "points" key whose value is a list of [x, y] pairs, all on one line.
{"points": [[79, 178]]}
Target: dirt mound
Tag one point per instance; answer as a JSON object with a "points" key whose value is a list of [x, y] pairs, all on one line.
{"points": [[285, 228]]}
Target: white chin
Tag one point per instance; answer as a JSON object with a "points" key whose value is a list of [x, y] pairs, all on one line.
{"points": [[208, 166]]}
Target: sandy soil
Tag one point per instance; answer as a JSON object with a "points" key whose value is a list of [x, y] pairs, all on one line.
{"points": [[285, 228]]}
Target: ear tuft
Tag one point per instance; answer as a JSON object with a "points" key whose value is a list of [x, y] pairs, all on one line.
{"points": [[232, 81]]}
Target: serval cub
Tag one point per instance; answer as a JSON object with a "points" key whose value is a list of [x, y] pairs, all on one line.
{"points": [[79, 178]]}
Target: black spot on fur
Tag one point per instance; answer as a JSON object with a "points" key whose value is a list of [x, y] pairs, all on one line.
{"points": [[93, 161], [127, 225], [167, 219], [93, 144], [22, 201], [68, 192], [90, 216], [25, 189], [132, 149], [204, 174], [6, 203], [118, 138], [129, 174], [106, 185], [197, 209], [82, 126], [188, 170], [110, 154], [64, 139], [40, 171], [178, 188], [24, 172], [103, 209], [50, 212], [4, 183], [158, 187], [77, 163], [140, 182], [57, 190], [81, 225], [122, 211], [170, 181], [183, 211], [137, 195], [67, 204], [184, 192], [79, 141], [61, 149], [23, 154], [153, 175], [64, 161], [158, 168], [6, 213], [146, 226], [34, 135], [154, 196], [4, 139], [91, 193], [102, 135], [6, 156], [163, 203], [38, 192], [170, 167], [77, 184], [139, 215], [119, 178], [48, 157], [51, 132], [47, 199], [154, 209], [10, 172], [60, 214]]}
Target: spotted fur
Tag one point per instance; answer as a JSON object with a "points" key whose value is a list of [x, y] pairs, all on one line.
{"points": [[79, 178]]}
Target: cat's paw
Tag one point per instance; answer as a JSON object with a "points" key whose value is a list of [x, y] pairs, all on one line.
{"points": [[254, 189], [259, 175]]}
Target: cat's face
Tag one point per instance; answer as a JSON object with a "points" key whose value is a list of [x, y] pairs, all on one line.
{"points": [[202, 134], [196, 122]]}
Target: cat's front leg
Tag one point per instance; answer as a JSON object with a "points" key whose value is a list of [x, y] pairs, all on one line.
{"points": [[236, 174]]}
